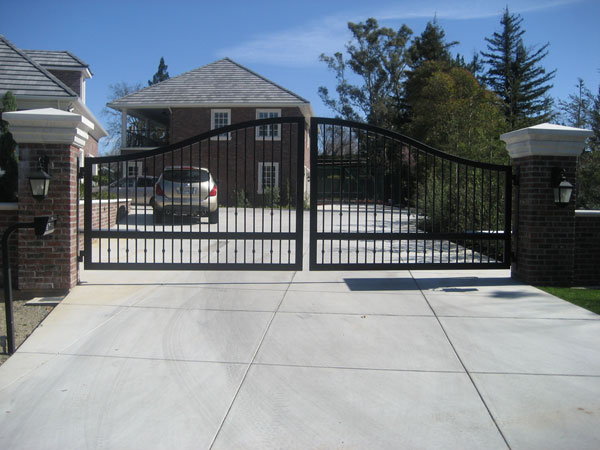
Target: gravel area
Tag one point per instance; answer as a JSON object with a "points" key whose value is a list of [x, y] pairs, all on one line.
{"points": [[26, 319]]}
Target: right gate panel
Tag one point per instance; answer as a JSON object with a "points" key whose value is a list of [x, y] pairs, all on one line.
{"points": [[380, 200]]}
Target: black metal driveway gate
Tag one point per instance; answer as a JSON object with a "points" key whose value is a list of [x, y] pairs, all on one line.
{"points": [[258, 168], [380, 200]]}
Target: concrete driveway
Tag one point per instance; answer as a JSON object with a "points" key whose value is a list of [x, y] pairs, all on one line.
{"points": [[305, 360]]}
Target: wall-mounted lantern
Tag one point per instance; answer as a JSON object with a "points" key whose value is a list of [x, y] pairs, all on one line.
{"points": [[40, 179], [561, 187]]}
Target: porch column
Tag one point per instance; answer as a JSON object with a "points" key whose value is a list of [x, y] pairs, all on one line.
{"points": [[49, 264], [543, 231], [123, 128]]}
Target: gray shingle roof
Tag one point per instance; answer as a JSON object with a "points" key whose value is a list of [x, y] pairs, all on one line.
{"points": [[222, 82], [61, 58], [25, 77]]}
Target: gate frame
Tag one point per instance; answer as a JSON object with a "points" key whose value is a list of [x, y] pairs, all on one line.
{"points": [[315, 235]]}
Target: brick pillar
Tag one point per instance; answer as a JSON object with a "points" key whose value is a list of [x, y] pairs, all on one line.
{"points": [[49, 264], [543, 232]]}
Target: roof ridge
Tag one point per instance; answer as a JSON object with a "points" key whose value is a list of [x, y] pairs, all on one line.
{"points": [[75, 57], [30, 60]]}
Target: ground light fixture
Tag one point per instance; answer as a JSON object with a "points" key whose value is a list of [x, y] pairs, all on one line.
{"points": [[561, 187], [39, 180]]}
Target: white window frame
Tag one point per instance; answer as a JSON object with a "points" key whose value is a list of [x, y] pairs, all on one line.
{"points": [[277, 127], [223, 136], [275, 165]]}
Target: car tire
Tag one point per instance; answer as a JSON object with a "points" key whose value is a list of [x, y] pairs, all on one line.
{"points": [[213, 217], [158, 216]]}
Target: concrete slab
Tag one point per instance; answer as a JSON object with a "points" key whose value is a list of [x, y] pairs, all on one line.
{"points": [[347, 281], [388, 303], [236, 299], [177, 334], [544, 412], [369, 341], [300, 408], [66, 325], [523, 304], [75, 402], [535, 346]]}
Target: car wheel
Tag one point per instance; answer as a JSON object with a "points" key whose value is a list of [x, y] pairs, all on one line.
{"points": [[158, 216], [213, 217]]}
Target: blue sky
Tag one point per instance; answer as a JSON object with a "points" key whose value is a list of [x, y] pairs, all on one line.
{"points": [[124, 40]]}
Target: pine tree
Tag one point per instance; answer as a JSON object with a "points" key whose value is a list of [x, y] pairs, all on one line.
{"points": [[8, 158], [576, 111], [514, 73], [431, 45], [161, 74]]}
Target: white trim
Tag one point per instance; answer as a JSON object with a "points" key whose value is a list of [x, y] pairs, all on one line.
{"points": [[277, 127], [48, 126], [260, 174], [546, 140], [212, 123]]}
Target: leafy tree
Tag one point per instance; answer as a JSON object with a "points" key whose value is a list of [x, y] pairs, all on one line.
{"points": [[113, 118], [161, 74], [514, 73], [9, 176], [453, 112], [429, 47], [377, 56]]}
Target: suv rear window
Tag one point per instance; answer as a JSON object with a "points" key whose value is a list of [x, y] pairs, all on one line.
{"points": [[186, 176]]}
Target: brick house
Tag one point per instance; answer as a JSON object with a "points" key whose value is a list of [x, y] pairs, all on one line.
{"points": [[48, 79], [212, 96]]}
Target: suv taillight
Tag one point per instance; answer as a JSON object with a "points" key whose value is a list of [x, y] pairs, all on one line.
{"points": [[213, 192], [159, 190]]}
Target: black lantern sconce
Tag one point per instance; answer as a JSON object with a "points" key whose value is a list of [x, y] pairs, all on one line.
{"points": [[40, 179], [561, 187]]}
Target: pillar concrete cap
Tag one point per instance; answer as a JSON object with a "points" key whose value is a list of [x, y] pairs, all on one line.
{"points": [[546, 139], [48, 126]]}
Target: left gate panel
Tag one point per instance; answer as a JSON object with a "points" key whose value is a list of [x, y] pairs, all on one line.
{"points": [[227, 199]]}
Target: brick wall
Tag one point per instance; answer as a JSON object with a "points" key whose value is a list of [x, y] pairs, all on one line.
{"points": [[49, 263], [103, 215], [71, 78], [544, 236], [91, 147], [587, 249], [9, 215]]}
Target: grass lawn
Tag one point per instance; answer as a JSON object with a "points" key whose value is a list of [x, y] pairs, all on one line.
{"points": [[586, 298]]}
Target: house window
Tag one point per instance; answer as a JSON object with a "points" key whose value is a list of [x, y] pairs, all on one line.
{"points": [[132, 171], [220, 118], [268, 131], [268, 175]]}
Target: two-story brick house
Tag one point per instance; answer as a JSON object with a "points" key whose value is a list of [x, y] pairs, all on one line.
{"points": [[209, 97]]}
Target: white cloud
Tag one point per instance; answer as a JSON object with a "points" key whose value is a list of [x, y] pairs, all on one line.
{"points": [[302, 45]]}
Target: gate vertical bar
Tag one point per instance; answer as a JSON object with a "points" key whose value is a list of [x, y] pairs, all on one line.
{"points": [[314, 180]]}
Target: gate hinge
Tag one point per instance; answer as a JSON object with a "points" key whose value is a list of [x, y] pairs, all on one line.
{"points": [[80, 173], [80, 256]]}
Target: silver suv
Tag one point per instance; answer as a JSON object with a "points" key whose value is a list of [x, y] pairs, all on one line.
{"points": [[185, 191], [139, 189]]}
